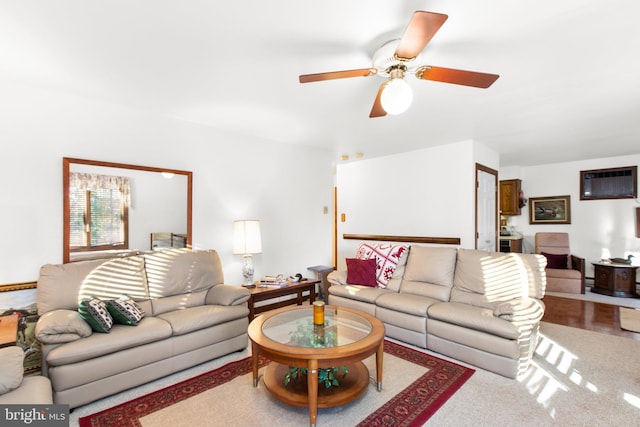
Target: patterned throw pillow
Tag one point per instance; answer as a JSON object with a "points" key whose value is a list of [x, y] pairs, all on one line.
{"points": [[125, 311], [387, 257], [94, 312]]}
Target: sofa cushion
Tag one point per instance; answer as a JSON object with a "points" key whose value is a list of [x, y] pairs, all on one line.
{"points": [[34, 389], [176, 302], [227, 295], [11, 359], [477, 318], [197, 318], [402, 321], [472, 339], [387, 257], [536, 273], [486, 279], [60, 326], [429, 272], [361, 271], [563, 273], [80, 280], [94, 311], [432, 265], [121, 337], [520, 310], [415, 305], [358, 292], [179, 271]]}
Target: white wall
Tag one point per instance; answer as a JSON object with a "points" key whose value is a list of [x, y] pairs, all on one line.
{"points": [[597, 226], [234, 177], [429, 192]]}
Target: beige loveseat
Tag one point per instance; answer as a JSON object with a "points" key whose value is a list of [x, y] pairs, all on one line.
{"points": [[17, 389], [479, 307], [190, 317]]}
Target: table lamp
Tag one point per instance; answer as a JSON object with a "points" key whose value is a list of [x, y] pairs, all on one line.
{"points": [[246, 242]]}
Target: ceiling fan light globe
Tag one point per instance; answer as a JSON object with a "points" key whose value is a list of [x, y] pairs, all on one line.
{"points": [[396, 96]]}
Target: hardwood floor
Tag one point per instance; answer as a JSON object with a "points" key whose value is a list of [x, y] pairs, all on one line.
{"points": [[593, 316]]}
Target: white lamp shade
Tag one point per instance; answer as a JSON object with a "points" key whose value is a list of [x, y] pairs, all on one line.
{"points": [[396, 96], [246, 237]]}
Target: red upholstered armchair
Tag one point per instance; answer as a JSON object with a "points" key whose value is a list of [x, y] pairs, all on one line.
{"points": [[565, 272]]}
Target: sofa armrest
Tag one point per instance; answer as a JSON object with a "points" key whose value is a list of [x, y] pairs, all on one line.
{"points": [[11, 359], [577, 263], [337, 277], [227, 295], [60, 326], [525, 310]]}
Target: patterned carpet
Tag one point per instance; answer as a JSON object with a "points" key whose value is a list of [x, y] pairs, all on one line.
{"points": [[437, 380]]}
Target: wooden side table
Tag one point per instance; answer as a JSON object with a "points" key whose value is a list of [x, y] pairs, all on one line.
{"points": [[616, 280], [298, 289]]}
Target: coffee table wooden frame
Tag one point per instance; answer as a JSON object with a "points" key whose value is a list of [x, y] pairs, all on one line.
{"points": [[315, 358]]}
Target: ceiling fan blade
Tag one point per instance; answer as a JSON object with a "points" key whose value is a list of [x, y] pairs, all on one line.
{"points": [[377, 110], [422, 27], [458, 77], [332, 75]]}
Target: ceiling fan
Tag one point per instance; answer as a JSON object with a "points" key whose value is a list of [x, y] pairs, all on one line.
{"points": [[396, 58]]}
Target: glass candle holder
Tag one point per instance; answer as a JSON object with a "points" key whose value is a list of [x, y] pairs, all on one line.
{"points": [[318, 313]]}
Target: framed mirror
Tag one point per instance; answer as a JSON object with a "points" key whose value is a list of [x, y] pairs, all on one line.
{"points": [[112, 209]]}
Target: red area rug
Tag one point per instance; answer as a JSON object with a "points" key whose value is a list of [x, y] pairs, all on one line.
{"points": [[412, 407]]}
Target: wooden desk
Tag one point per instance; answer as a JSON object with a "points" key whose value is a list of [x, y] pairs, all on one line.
{"points": [[263, 294], [616, 280]]}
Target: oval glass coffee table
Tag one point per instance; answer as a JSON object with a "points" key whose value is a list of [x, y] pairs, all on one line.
{"points": [[288, 337]]}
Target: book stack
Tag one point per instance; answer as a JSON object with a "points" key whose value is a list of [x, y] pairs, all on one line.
{"points": [[273, 282]]}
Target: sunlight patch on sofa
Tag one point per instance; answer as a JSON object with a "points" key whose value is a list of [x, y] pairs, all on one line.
{"points": [[502, 278], [114, 278]]}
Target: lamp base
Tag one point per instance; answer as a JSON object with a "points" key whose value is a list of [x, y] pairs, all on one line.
{"points": [[247, 269]]}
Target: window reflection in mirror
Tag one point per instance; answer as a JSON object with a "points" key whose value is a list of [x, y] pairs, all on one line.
{"points": [[158, 201]]}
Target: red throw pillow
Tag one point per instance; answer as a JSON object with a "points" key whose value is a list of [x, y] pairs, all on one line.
{"points": [[559, 261], [361, 271]]}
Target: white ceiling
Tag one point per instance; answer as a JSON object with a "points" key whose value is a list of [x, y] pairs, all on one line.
{"points": [[568, 86]]}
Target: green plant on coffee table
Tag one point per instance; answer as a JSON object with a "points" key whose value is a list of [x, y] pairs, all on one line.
{"points": [[309, 335]]}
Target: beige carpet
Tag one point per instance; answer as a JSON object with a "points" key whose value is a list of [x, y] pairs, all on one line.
{"points": [[578, 378], [630, 319]]}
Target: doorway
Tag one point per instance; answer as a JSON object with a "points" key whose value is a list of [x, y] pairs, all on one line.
{"points": [[486, 208]]}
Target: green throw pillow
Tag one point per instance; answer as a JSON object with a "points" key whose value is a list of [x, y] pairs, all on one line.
{"points": [[125, 311], [94, 312]]}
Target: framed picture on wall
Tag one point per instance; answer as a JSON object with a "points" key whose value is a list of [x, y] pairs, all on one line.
{"points": [[550, 210], [18, 317]]}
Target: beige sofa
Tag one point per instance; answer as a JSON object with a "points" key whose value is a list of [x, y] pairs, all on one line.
{"points": [[190, 317], [479, 307], [15, 388]]}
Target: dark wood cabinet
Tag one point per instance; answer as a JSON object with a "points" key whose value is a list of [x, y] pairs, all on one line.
{"points": [[510, 197], [511, 245], [615, 280]]}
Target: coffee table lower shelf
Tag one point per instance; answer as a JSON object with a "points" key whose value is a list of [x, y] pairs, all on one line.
{"points": [[295, 393]]}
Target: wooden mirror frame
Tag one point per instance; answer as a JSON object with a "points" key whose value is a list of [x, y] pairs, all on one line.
{"points": [[66, 164]]}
